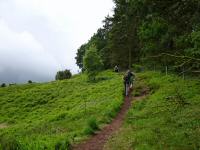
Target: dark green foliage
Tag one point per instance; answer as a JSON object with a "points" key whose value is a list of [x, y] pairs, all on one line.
{"points": [[79, 55], [9, 143], [3, 85], [144, 31], [61, 75], [92, 122], [12, 84], [88, 131], [137, 68], [153, 36], [63, 145], [99, 40], [29, 81], [91, 127]]}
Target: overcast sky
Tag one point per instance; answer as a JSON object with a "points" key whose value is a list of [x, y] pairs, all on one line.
{"points": [[40, 37]]}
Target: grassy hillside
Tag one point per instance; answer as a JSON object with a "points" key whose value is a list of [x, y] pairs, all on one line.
{"points": [[169, 118], [52, 115]]}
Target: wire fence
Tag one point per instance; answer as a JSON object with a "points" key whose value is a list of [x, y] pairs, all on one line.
{"points": [[92, 105], [185, 73], [181, 65]]}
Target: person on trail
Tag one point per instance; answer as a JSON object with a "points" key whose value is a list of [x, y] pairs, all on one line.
{"points": [[129, 77], [116, 69]]}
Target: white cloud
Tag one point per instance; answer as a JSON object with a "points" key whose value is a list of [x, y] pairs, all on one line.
{"points": [[24, 56], [49, 29]]}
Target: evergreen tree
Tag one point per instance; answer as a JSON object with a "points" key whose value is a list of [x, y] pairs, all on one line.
{"points": [[149, 32]]}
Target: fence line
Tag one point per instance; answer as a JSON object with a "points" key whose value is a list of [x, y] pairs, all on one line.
{"points": [[181, 71]]}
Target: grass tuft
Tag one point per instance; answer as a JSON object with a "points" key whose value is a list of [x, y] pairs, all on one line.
{"points": [[91, 127]]}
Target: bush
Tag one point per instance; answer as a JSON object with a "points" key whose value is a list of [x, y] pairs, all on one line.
{"points": [[29, 81], [3, 85], [61, 75]]}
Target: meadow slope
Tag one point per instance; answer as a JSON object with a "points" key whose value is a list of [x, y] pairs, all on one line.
{"points": [[168, 119], [54, 115]]}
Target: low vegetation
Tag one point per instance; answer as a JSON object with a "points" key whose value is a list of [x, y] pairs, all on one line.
{"points": [[92, 126], [166, 119], [55, 115]]}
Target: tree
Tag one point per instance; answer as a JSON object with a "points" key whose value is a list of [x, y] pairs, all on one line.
{"points": [[92, 63], [61, 75], [100, 40], [79, 55], [140, 29]]}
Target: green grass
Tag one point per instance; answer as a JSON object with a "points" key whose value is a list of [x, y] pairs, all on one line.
{"points": [[169, 118], [55, 115]]}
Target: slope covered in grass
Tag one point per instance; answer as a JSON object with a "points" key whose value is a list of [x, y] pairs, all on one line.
{"points": [[169, 118], [53, 115]]}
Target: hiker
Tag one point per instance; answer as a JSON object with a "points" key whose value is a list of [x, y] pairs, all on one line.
{"points": [[116, 69], [129, 77]]}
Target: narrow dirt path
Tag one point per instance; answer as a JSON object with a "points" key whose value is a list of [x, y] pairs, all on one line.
{"points": [[98, 140], [3, 125]]}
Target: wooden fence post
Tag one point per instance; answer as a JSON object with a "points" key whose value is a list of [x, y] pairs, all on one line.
{"points": [[183, 73]]}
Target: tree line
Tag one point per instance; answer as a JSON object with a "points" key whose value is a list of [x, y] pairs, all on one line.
{"points": [[148, 32]]}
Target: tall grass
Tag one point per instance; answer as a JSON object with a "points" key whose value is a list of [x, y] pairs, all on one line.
{"points": [[55, 115]]}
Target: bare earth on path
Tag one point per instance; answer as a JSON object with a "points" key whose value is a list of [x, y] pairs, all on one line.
{"points": [[98, 141], [3, 125]]}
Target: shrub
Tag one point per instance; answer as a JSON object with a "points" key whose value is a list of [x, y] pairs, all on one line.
{"points": [[12, 84], [3, 85], [61, 75], [29, 81]]}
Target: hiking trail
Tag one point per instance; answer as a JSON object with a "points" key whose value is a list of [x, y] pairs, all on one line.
{"points": [[98, 141]]}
